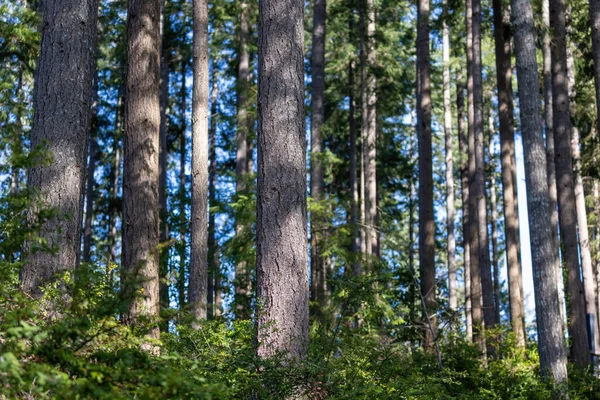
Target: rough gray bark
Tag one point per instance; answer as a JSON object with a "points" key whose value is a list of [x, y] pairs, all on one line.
{"points": [[199, 217], [282, 256], [213, 243], [426, 213], [502, 38], [140, 174], [544, 256], [464, 181], [162, 165], [476, 304], [317, 182], [242, 275], [494, 213], [453, 303], [62, 97], [487, 287], [567, 214]]}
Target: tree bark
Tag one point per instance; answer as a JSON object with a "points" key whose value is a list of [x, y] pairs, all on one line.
{"points": [[354, 214], [371, 145], [544, 256], [242, 275], [363, 131], [182, 247], [213, 244], [317, 182], [453, 303], [426, 213], [282, 257], [487, 287], [62, 97], [502, 37], [89, 186], [199, 218], [464, 180], [564, 175], [114, 186], [140, 175], [476, 303], [494, 214], [595, 25]]}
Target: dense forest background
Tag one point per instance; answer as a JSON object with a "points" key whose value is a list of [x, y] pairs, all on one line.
{"points": [[287, 199]]}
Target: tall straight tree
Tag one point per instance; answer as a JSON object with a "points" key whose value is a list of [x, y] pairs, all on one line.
{"points": [[564, 175], [371, 136], [426, 216], [91, 169], [473, 236], [551, 347], [317, 183], [449, 160], [140, 173], [115, 172], [199, 223], [183, 197], [487, 288], [62, 95], [282, 257], [213, 243], [242, 275], [493, 212], [595, 24], [502, 39]]}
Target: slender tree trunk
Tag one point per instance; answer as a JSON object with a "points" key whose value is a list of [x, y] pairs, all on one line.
{"points": [[199, 222], [597, 263], [354, 214], [242, 275], [16, 145], [317, 181], [90, 184], [582, 232], [453, 303], [564, 175], [476, 301], [213, 244], [549, 123], [140, 176], [371, 144], [411, 222], [282, 256], [494, 214], [544, 256], [182, 192], [502, 37], [487, 287], [163, 155], [62, 96], [114, 187], [464, 180], [595, 25], [426, 215], [363, 130]]}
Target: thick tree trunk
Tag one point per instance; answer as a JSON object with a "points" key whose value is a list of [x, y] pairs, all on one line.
{"points": [[199, 223], [282, 257], [426, 215], [502, 37], [213, 244], [62, 96], [242, 275], [476, 303], [494, 213], [544, 256], [317, 183], [162, 165], [564, 175], [140, 176], [487, 286], [464, 181], [453, 303]]}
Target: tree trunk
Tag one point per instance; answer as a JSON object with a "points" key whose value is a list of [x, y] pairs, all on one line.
{"points": [[62, 95], [502, 37], [89, 187], [354, 214], [464, 181], [199, 223], [564, 175], [487, 286], [494, 214], [317, 182], [363, 130], [182, 193], [213, 244], [242, 275], [544, 256], [595, 25], [426, 215], [114, 186], [140, 174], [476, 304], [282, 257], [582, 232], [371, 145], [411, 222], [163, 155], [453, 303]]}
